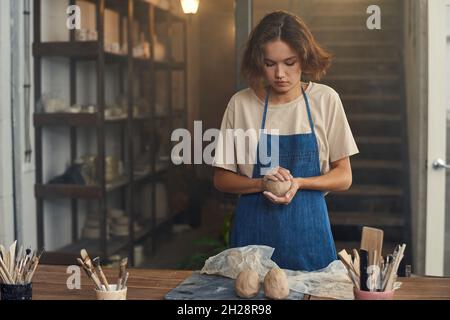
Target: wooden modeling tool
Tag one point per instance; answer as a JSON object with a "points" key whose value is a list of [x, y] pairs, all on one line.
{"points": [[97, 266], [371, 240]]}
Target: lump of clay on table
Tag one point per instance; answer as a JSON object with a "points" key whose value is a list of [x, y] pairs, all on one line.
{"points": [[247, 284], [276, 284], [278, 188]]}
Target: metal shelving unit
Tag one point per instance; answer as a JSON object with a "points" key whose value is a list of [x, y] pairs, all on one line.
{"points": [[146, 14]]}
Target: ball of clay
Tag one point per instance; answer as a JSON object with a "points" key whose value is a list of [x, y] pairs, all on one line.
{"points": [[276, 284], [278, 188], [247, 284]]}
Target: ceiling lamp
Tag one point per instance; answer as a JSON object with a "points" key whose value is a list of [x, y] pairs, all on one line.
{"points": [[190, 6]]}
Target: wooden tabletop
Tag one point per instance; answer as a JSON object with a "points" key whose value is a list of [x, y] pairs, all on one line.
{"points": [[49, 283]]}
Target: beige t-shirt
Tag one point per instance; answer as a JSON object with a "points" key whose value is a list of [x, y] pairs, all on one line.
{"points": [[245, 111]]}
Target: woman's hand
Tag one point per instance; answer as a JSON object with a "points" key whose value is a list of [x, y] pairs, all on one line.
{"points": [[280, 174]]}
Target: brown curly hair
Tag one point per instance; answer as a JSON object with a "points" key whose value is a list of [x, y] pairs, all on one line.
{"points": [[282, 25]]}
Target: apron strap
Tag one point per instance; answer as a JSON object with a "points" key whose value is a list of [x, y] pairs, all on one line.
{"points": [[311, 123], [266, 104]]}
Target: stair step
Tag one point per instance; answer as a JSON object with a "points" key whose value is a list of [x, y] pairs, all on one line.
{"points": [[365, 60], [349, 29], [364, 69], [365, 44], [378, 140], [368, 172], [346, 77], [368, 49], [374, 219], [374, 117], [379, 103], [360, 4], [385, 152], [390, 20], [364, 86], [371, 97], [377, 164], [375, 35], [375, 124], [371, 190], [352, 12], [372, 202]]}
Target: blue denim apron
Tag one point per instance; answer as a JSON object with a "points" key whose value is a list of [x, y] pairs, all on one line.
{"points": [[300, 232]]}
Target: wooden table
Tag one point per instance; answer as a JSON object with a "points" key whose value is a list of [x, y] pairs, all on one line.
{"points": [[49, 283]]}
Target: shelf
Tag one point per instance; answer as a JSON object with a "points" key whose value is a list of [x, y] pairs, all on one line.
{"points": [[167, 116], [115, 244], [67, 191], [166, 65], [89, 50], [64, 119], [93, 247], [76, 49], [76, 191], [77, 119], [115, 5], [82, 50], [147, 15], [120, 6], [118, 183]]}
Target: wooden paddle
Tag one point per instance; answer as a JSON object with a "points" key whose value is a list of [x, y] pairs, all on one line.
{"points": [[371, 240]]}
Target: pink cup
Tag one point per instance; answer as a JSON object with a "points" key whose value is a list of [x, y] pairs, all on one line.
{"points": [[368, 295]]}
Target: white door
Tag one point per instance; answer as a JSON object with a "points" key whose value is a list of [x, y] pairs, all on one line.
{"points": [[438, 113]]}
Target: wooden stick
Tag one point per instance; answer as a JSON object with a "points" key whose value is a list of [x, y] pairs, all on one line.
{"points": [[96, 262], [356, 261], [31, 274], [393, 274], [89, 274], [122, 270], [4, 277], [5, 270], [124, 284], [88, 262], [12, 254]]}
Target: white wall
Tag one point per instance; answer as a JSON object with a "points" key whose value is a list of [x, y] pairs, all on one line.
{"points": [[6, 190]]}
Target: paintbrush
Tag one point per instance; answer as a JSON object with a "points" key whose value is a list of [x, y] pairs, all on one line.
{"points": [[122, 271], [96, 262], [124, 284], [88, 262], [89, 274], [30, 274]]}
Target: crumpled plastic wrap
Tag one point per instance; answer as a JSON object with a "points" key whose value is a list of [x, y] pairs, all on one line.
{"points": [[229, 263], [330, 282]]}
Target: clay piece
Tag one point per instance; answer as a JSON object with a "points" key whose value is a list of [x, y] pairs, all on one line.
{"points": [[247, 284], [278, 188], [276, 284]]}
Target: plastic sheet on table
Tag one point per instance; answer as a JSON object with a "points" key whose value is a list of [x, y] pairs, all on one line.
{"points": [[330, 282]]}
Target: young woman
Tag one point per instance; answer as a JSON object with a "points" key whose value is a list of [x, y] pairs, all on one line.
{"points": [[314, 146]]}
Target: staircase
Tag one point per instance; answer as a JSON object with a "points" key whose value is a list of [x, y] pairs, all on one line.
{"points": [[367, 73]]}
